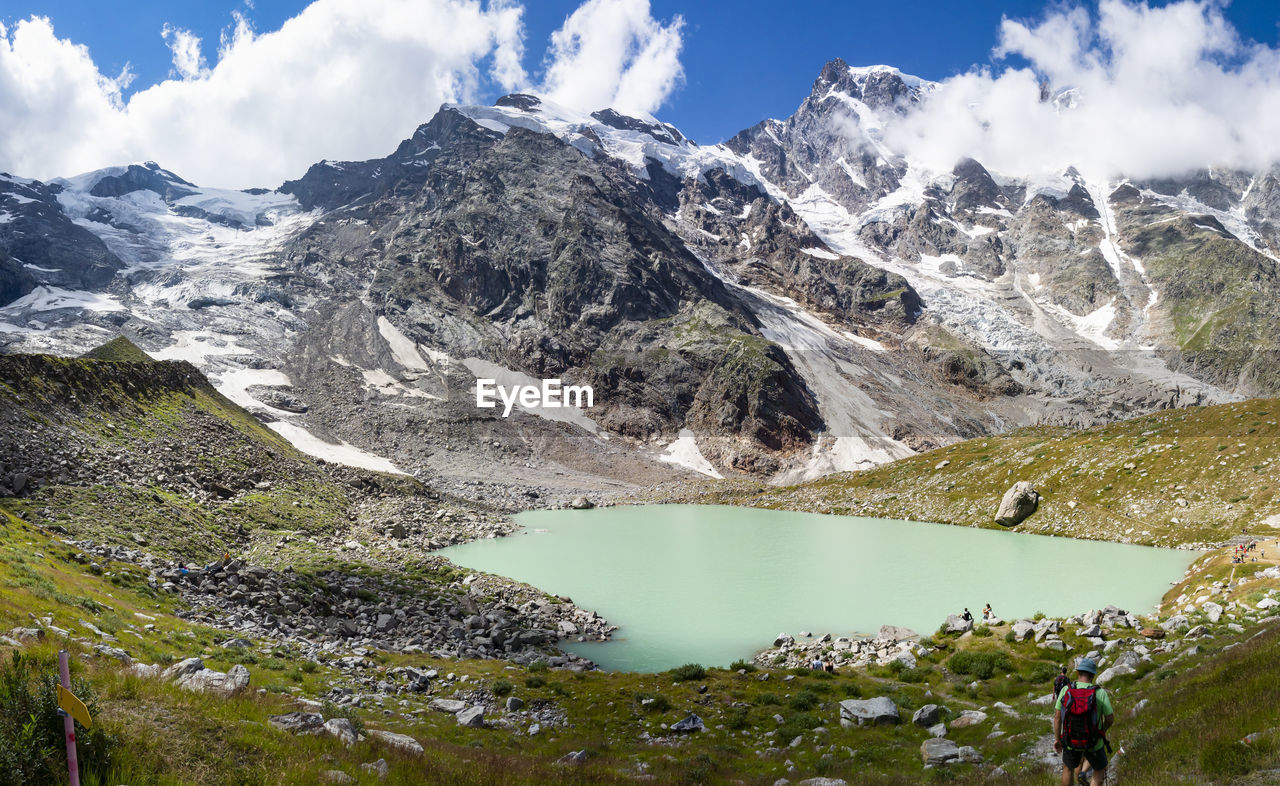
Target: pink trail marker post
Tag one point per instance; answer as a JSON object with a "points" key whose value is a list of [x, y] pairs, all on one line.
{"points": [[68, 725]]}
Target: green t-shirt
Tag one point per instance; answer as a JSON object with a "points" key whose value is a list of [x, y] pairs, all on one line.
{"points": [[1102, 701]]}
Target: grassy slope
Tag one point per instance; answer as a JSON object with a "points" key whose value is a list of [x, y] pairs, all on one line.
{"points": [[1125, 478], [192, 425]]}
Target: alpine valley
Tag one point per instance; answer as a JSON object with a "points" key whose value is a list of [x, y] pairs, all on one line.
{"points": [[237, 426]]}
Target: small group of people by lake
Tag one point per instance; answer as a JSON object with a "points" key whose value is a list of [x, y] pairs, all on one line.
{"points": [[1242, 552], [987, 614]]}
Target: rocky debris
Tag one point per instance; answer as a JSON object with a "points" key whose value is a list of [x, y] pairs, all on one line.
{"points": [[398, 742], [938, 751], [482, 616], [1018, 503], [192, 675], [573, 757], [337, 777], [845, 651], [863, 712], [27, 634]]}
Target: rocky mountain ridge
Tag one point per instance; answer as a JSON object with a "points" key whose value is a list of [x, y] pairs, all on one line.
{"points": [[799, 300]]}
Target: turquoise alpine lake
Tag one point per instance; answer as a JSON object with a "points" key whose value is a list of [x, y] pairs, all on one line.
{"points": [[712, 584]]}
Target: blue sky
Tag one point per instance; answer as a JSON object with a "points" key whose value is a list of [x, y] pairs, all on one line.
{"points": [[743, 59]]}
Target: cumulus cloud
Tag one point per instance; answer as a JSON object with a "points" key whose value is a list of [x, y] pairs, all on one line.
{"points": [[613, 53], [1158, 91], [188, 61], [344, 79]]}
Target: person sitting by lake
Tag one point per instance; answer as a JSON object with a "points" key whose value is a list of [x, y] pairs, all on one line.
{"points": [[817, 664], [967, 616], [986, 613], [831, 667]]}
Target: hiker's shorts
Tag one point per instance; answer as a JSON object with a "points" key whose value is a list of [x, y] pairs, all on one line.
{"points": [[1097, 758]]}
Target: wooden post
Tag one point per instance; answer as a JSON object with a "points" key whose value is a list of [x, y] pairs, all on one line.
{"points": [[68, 725]]}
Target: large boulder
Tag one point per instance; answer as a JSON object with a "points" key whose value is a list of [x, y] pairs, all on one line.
{"points": [[191, 674], [472, 717], [937, 751], [1018, 503], [926, 716], [896, 633], [688, 725], [343, 729], [969, 718], [400, 742], [1022, 629], [451, 706], [957, 624], [868, 712]]}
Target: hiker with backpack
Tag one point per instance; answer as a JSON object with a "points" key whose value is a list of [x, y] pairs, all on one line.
{"points": [[1059, 682], [1082, 714]]}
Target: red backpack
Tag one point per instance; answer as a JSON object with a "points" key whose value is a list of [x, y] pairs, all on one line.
{"points": [[1080, 718]]}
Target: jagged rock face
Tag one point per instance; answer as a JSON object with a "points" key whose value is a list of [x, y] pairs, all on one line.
{"points": [[824, 145], [518, 249], [40, 245]]}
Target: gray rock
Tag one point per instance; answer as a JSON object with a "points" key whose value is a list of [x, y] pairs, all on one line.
{"points": [[336, 776], [957, 624], [970, 755], [938, 730], [1022, 629], [400, 742], [688, 725], [582, 503], [1212, 610], [896, 633], [573, 757], [342, 729], [968, 718], [514, 704], [472, 717], [298, 722], [926, 716], [1018, 502], [865, 712], [377, 768], [938, 751], [1118, 670], [451, 706]]}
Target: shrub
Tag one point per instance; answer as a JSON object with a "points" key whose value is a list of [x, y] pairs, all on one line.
{"points": [[689, 671], [653, 702], [804, 700], [979, 664], [502, 687], [742, 665], [768, 698], [1043, 672], [538, 666], [534, 681], [31, 743], [982, 632], [1010, 638], [917, 674], [736, 718]]}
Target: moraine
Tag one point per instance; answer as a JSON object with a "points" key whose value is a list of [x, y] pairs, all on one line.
{"points": [[712, 584]]}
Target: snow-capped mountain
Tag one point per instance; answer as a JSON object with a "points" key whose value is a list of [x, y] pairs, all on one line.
{"points": [[798, 300]]}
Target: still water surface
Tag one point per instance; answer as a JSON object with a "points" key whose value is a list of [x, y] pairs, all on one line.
{"points": [[711, 584]]}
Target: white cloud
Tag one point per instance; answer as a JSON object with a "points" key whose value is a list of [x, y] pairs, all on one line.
{"points": [[344, 79], [1162, 91], [187, 58], [340, 80], [613, 53]]}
